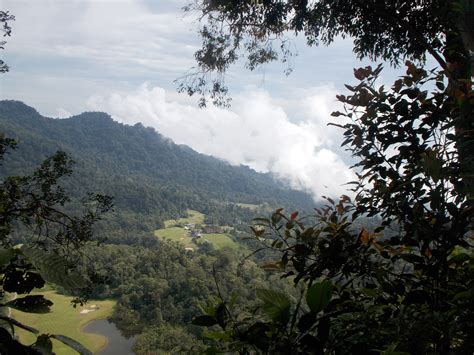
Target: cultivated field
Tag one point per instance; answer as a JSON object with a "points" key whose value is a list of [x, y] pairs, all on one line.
{"points": [[194, 217], [175, 234], [181, 235]]}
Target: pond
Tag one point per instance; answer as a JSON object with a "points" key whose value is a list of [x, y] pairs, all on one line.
{"points": [[117, 344]]}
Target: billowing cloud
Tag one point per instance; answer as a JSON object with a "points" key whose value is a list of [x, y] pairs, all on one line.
{"points": [[63, 52], [256, 131]]}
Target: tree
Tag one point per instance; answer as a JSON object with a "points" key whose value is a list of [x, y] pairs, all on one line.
{"points": [[388, 30], [6, 29], [405, 287], [35, 205], [403, 290]]}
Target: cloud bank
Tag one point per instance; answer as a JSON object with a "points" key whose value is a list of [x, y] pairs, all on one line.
{"points": [[256, 132]]}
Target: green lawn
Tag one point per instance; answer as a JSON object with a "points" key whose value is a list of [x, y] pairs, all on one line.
{"points": [[194, 217], [221, 240], [66, 320], [180, 235], [176, 234], [248, 206]]}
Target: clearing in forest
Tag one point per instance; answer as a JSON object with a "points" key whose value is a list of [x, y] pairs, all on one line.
{"points": [[177, 230]]}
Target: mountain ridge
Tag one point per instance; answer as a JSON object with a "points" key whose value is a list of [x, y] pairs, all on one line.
{"points": [[146, 172]]}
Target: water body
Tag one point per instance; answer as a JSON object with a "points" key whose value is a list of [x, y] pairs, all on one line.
{"points": [[117, 344]]}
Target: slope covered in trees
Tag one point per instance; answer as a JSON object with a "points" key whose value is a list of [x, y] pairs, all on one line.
{"points": [[151, 178], [158, 286]]}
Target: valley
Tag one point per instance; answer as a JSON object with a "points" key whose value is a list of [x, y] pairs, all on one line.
{"points": [[177, 235], [207, 206]]}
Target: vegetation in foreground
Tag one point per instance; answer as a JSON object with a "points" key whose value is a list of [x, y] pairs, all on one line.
{"points": [[410, 292]]}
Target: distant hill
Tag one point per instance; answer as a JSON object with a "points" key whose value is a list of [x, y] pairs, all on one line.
{"points": [[152, 178]]}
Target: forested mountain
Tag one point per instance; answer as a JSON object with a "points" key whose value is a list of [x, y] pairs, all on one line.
{"points": [[151, 178], [157, 284]]}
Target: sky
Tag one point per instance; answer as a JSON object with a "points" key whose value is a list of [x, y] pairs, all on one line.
{"points": [[122, 57]]}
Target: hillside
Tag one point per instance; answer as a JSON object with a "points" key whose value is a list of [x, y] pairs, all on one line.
{"points": [[151, 178]]}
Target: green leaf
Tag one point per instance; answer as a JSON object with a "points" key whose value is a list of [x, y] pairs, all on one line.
{"points": [[275, 304], [391, 350], [31, 304], [6, 255], [432, 165], [371, 292], [53, 268], [319, 295], [81, 349], [204, 321], [217, 336], [43, 345], [459, 258], [464, 295], [276, 217], [19, 325], [212, 351], [221, 315]]}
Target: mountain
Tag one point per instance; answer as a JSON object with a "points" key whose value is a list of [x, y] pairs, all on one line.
{"points": [[151, 178]]}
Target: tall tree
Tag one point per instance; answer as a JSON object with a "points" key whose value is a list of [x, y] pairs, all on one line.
{"points": [[384, 291], [5, 17], [258, 30], [36, 205]]}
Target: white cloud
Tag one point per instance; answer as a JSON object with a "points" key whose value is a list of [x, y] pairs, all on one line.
{"points": [[256, 132], [63, 52], [112, 36], [62, 113]]}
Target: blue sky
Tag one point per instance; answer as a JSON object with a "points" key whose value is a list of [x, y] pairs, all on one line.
{"points": [[121, 56]]}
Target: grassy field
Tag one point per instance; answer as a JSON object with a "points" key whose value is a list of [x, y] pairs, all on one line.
{"points": [[66, 320], [194, 217], [180, 235], [221, 240], [175, 234], [248, 206]]}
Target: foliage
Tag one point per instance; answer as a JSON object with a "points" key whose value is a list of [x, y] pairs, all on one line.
{"points": [[151, 178], [359, 293], [388, 30], [407, 286], [36, 203], [162, 285], [155, 283], [5, 29], [165, 340], [260, 31]]}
